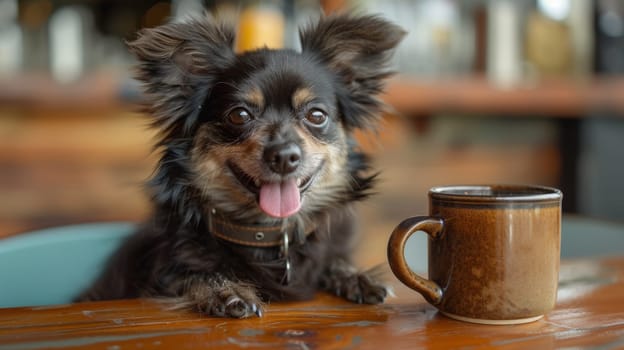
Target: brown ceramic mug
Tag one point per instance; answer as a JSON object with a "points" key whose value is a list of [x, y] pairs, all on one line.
{"points": [[493, 254]]}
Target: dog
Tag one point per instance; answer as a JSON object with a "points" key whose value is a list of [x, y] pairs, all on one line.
{"points": [[258, 173]]}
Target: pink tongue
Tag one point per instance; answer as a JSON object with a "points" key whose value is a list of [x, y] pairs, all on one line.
{"points": [[280, 199]]}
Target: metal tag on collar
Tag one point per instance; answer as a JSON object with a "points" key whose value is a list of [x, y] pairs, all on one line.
{"points": [[284, 253]]}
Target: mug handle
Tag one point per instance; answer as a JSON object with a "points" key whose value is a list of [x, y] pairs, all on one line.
{"points": [[396, 255]]}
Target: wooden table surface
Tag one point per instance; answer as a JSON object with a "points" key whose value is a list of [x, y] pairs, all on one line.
{"points": [[589, 314]]}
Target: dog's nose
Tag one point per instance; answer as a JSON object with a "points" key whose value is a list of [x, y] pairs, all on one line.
{"points": [[283, 158]]}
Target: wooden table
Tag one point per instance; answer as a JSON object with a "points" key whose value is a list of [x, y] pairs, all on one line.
{"points": [[590, 313]]}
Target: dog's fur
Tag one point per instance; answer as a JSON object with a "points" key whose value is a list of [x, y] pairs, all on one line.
{"points": [[217, 113]]}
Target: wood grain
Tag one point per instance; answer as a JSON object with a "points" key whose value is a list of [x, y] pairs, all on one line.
{"points": [[589, 313]]}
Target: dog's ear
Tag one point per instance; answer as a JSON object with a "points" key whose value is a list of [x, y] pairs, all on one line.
{"points": [[177, 64], [357, 50]]}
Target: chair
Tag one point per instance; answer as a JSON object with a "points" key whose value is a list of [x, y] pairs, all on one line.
{"points": [[583, 237], [53, 266]]}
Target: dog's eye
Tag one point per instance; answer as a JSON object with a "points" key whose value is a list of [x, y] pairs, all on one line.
{"points": [[239, 116], [316, 117]]}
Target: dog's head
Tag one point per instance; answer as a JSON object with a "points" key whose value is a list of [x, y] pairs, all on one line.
{"points": [[265, 133]]}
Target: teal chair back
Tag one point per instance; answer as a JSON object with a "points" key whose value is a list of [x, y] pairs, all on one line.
{"points": [[53, 266]]}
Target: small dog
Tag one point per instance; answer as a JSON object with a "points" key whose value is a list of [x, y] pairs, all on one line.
{"points": [[254, 189]]}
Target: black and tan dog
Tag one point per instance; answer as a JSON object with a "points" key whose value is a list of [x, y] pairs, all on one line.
{"points": [[254, 189]]}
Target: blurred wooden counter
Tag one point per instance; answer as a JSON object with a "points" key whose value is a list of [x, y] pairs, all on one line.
{"points": [[589, 314], [61, 167], [556, 98], [409, 96]]}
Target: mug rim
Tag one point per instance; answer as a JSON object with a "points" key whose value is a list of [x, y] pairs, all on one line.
{"points": [[509, 193]]}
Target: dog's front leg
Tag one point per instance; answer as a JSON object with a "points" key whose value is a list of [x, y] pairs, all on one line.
{"points": [[343, 280], [215, 295]]}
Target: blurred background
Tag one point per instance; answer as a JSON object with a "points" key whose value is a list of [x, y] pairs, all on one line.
{"points": [[496, 91]]}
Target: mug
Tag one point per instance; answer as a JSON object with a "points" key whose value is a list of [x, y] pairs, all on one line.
{"points": [[493, 252]]}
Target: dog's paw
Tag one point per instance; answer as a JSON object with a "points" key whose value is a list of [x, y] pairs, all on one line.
{"points": [[235, 305], [362, 289], [359, 287], [220, 297], [232, 299]]}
